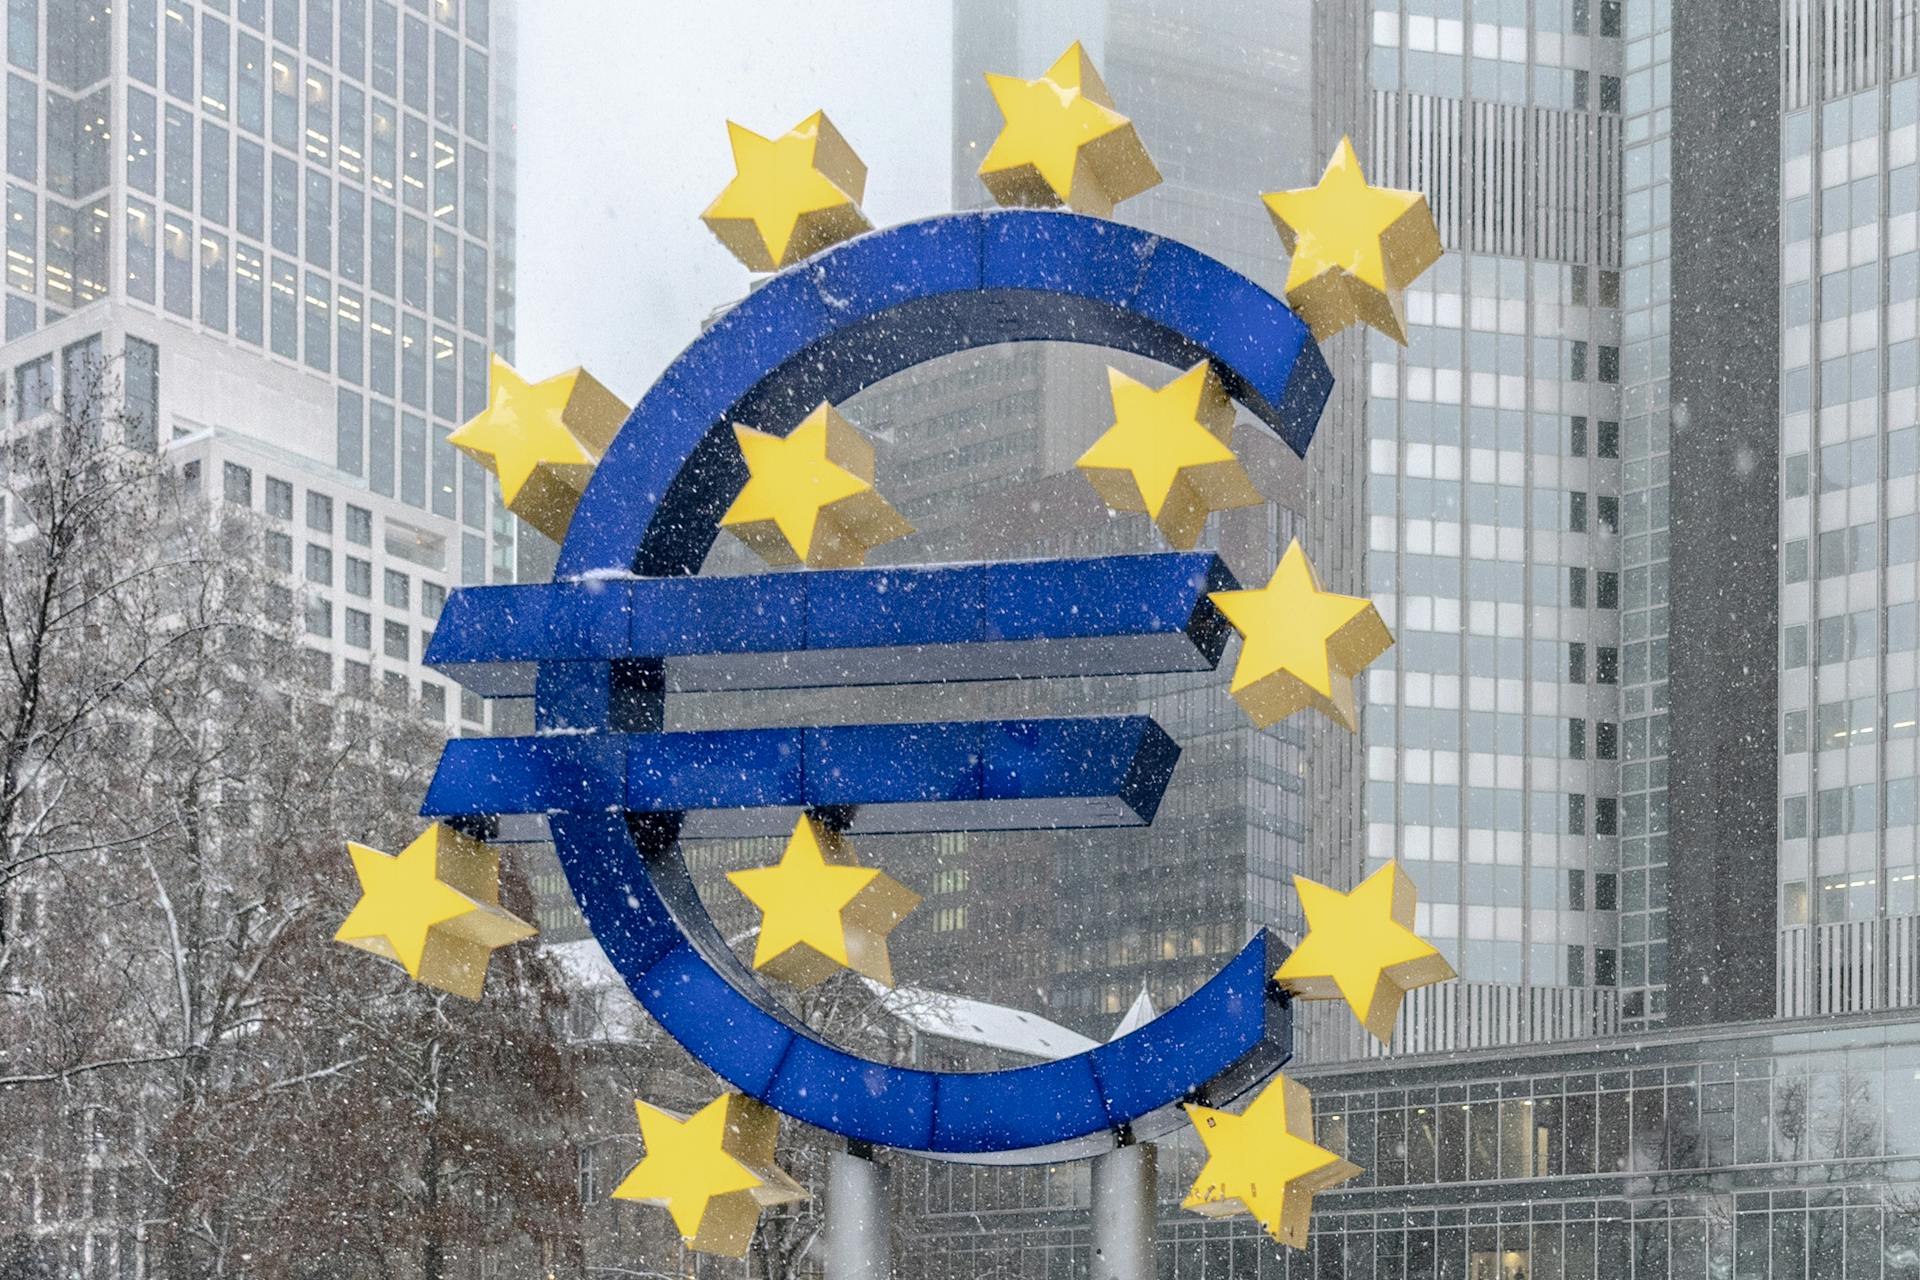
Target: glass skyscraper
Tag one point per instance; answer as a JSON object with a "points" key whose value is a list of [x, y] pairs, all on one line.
{"points": [[293, 224], [1495, 734], [1849, 278]]}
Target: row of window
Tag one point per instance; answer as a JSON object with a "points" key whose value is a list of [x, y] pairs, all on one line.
{"points": [[237, 182], [1505, 581], [1484, 732], [81, 371], [1492, 809], [1850, 722], [1855, 809]]}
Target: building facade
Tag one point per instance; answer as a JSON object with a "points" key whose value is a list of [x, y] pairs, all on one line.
{"points": [[287, 228], [1755, 1152], [1847, 103], [1495, 734]]}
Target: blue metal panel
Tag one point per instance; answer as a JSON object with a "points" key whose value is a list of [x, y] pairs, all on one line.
{"points": [[1006, 1110], [869, 1101], [483, 776], [1190, 1044], [721, 769]]}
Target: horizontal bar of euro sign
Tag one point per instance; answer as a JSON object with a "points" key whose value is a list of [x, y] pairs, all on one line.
{"points": [[1106, 616]]}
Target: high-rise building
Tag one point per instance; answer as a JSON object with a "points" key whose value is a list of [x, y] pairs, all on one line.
{"points": [[1841, 188], [1492, 513], [288, 229]]}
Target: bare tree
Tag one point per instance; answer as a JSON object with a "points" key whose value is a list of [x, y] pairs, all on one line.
{"points": [[178, 1026]]}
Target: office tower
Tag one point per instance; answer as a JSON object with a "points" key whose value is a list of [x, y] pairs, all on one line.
{"points": [[289, 229], [1843, 184], [1492, 513]]}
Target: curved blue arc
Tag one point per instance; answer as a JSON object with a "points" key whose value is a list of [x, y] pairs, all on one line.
{"points": [[1223, 1037], [885, 302], [823, 330]]}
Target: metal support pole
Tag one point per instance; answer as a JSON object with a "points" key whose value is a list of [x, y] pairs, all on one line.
{"points": [[857, 1247], [1123, 1213]]}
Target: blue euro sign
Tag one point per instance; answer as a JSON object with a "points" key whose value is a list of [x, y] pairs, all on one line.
{"points": [[626, 621]]}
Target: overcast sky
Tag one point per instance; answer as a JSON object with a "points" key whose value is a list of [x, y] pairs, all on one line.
{"points": [[623, 141]]}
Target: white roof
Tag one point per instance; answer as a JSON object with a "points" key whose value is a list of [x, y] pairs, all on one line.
{"points": [[1138, 1015], [993, 1026]]}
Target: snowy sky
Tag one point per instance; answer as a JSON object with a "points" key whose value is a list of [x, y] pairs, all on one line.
{"points": [[623, 141]]}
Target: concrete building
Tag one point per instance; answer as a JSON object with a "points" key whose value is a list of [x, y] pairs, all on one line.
{"points": [[288, 230]]}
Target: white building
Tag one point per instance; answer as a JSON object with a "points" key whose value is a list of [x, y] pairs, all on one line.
{"points": [[294, 223]]}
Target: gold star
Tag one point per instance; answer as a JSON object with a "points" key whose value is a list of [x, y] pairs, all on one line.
{"points": [[791, 196], [434, 908], [1063, 143], [1360, 947], [542, 439], [1168, 453], [821, 911], [809, 498], [1355, 248], [1301, 646], [1264, 1162], [713, 1171]]}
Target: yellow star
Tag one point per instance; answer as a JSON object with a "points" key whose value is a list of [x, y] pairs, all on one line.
{"points": [[1301, 646], [542, 439], [434, 908], [1063, 143], [1355, 248], [1264, 1162], [1168, 453], [821, 911], [791, 196], [809, 498], [713, 1171], [1360, 947]]}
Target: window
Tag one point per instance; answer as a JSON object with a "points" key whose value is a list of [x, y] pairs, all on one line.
{"points": [[433, 598], [1606, 665], [1610, 93], [1577, 362], [1605, 962], [1606, 895], [1606, 740], [284, 309], [1576, 663], [359, 629], [359, 577], [1610, 17], [279, 549], [319, 512], [238, 484], [279, 499], [1606, 816], [399, 590], [1577, 890], [1576, 738], [359, 526], [250, 85], [1576, 587], [1608, 509], [33, 387], [396, 640], [1608, 438], [319, 565], [1607, 589], [1577, 437], [320, 617], [214, 45], [1576, 513], [433, 699], [1576, 815]]}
